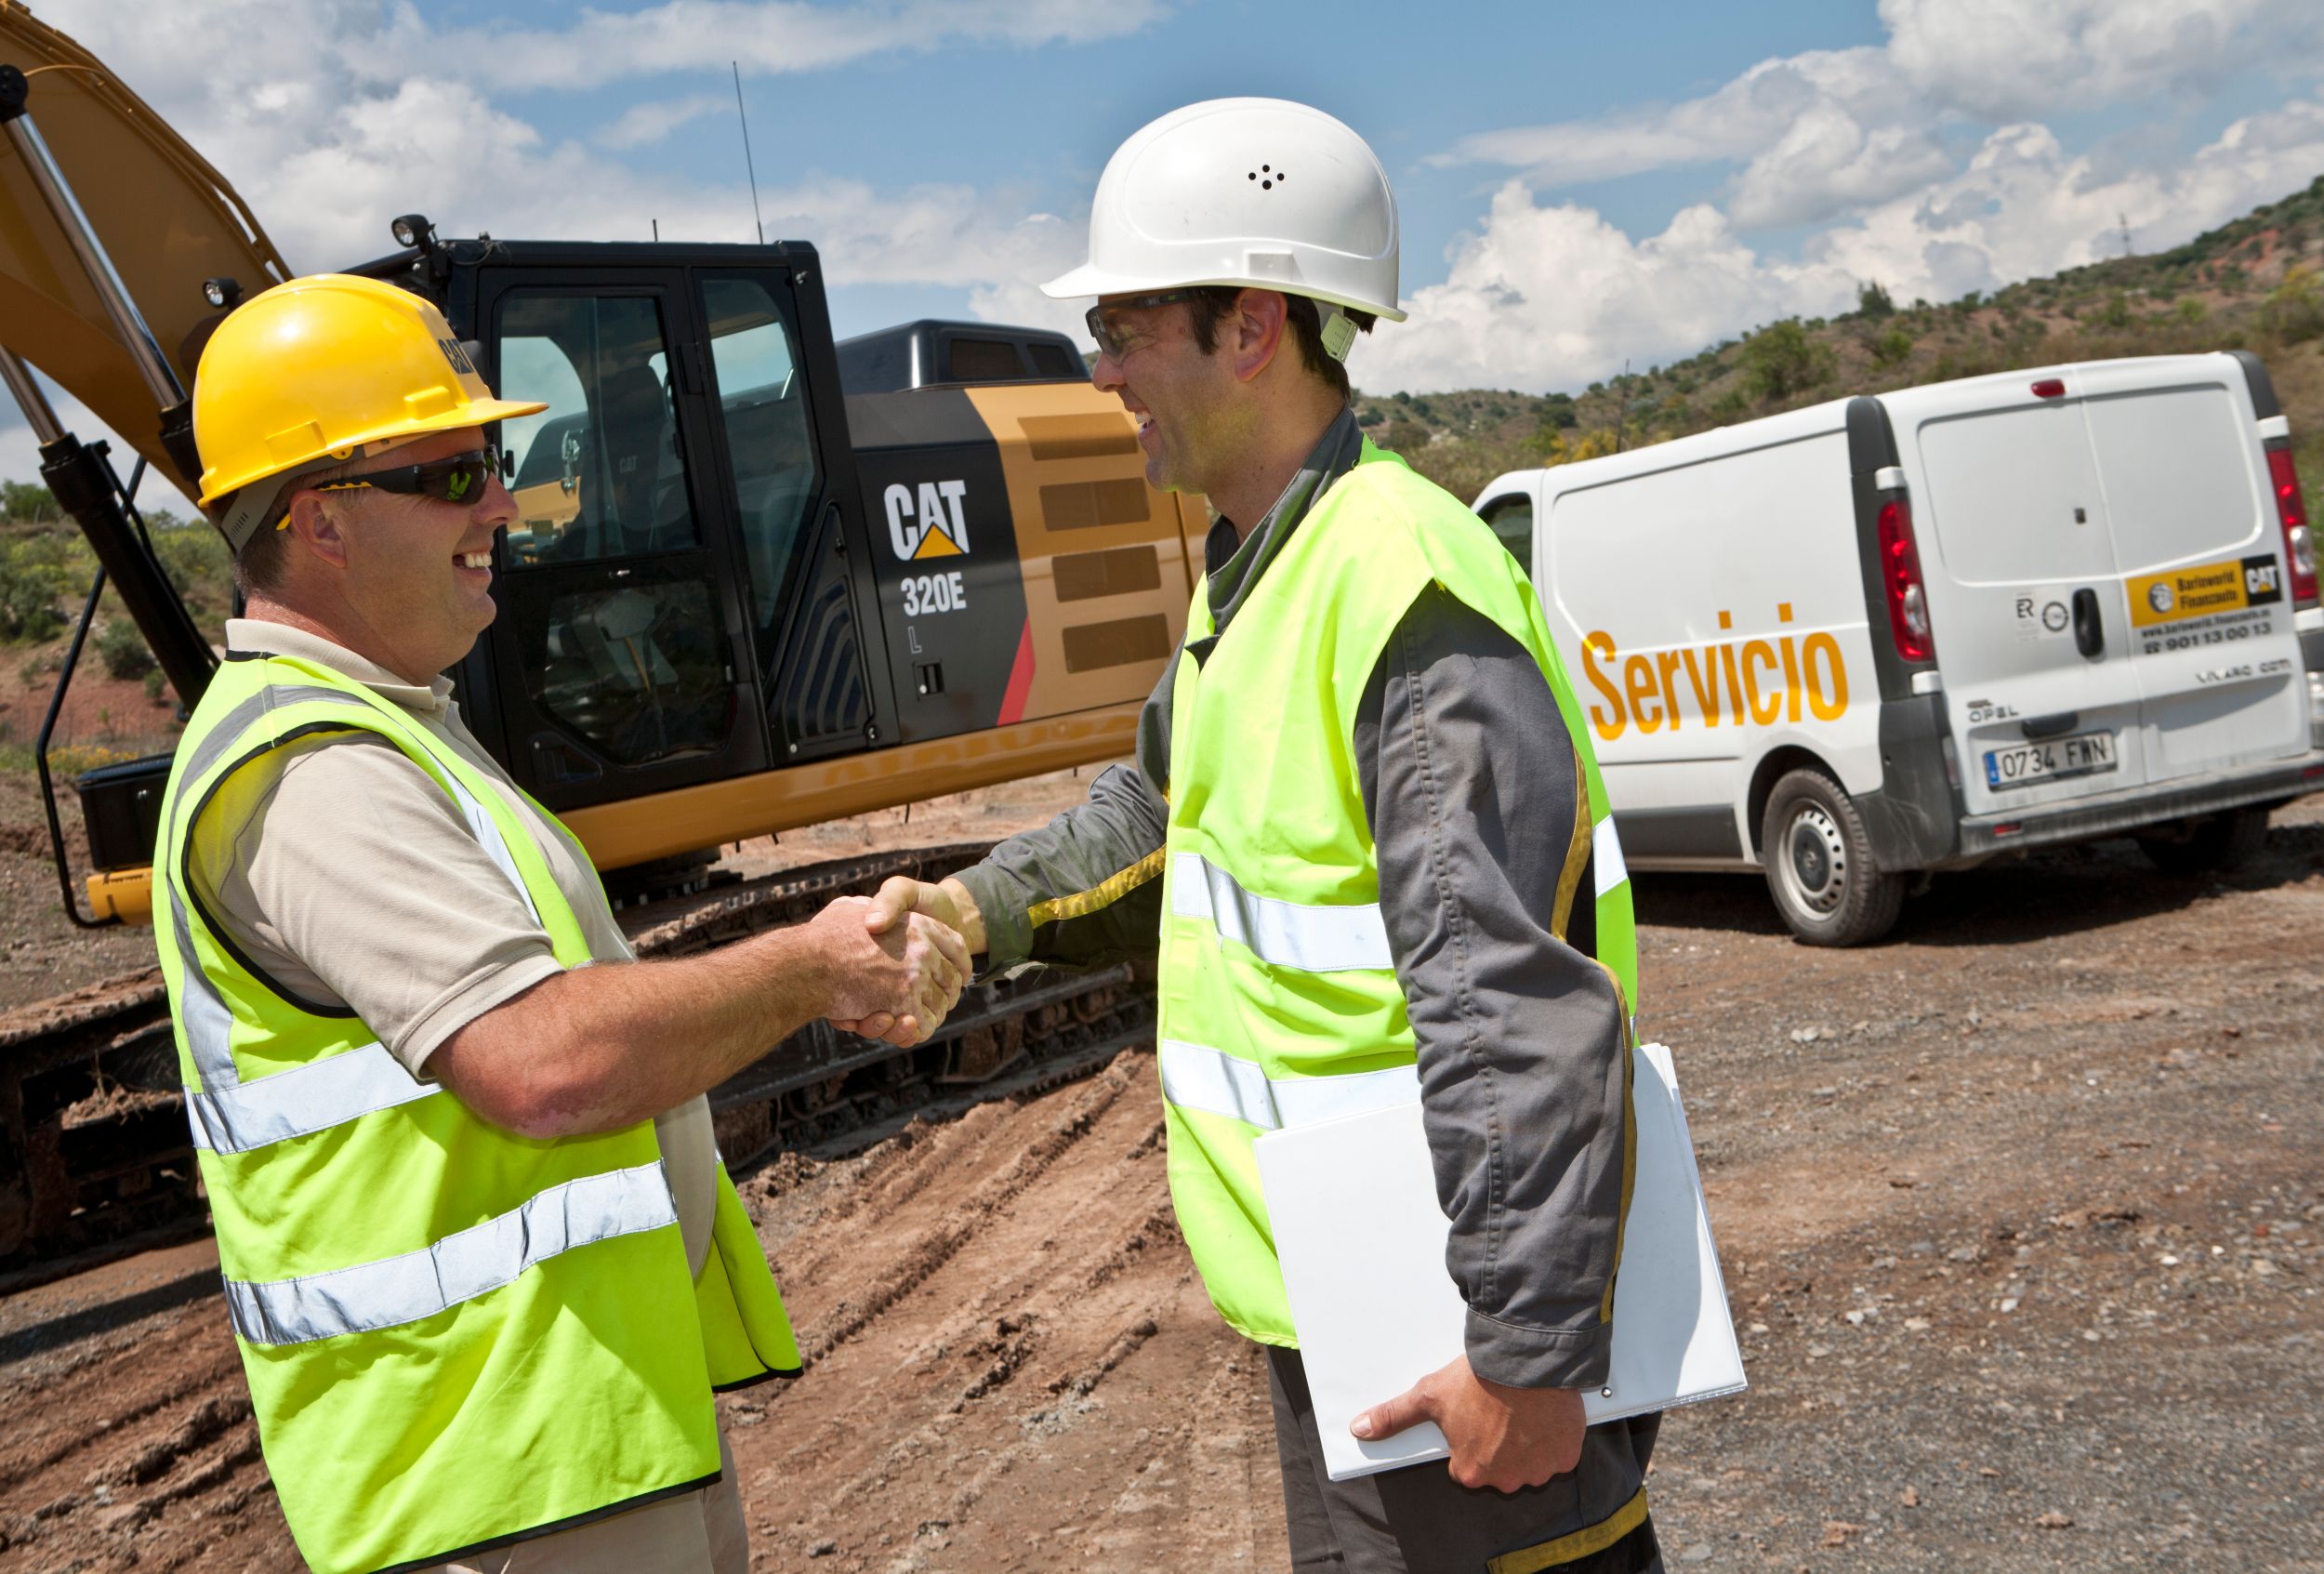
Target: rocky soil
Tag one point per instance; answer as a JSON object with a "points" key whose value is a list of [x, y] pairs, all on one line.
{"points": [[2019, 1212]]}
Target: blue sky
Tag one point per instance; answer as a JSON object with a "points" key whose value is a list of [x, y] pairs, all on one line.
{"points": [[1579, 184]]}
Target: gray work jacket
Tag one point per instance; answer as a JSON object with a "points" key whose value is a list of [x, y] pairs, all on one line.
{"points": [[1468, 777]]}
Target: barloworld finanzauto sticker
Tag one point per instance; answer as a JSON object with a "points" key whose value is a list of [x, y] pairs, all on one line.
{"points": [[2209, 604]]}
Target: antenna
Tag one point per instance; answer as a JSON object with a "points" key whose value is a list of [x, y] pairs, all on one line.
{"points": [[748, 165], [2125, 219], [657, 230]]}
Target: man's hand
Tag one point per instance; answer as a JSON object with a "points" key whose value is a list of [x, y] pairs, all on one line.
{"points": [[900, 898], [1501, 1437], [896, 982]]}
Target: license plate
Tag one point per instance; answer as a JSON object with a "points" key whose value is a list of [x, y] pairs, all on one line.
{"points": [[2023, 764]]}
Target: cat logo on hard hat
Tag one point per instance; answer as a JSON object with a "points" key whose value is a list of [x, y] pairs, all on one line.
{"points": [[458, 356], [928, 521]]}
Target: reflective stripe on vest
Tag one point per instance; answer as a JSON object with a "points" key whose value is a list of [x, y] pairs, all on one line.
{"points": [[1197, 1077], [1606, 848], [1289, 934], [301, 1101], [459, 1267]]}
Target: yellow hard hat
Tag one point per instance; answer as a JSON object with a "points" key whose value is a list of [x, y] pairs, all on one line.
{"points": [[304, 375]]}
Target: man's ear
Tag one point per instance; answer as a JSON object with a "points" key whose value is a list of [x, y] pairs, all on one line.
{"points": [[316, 526], [1262, 323]]}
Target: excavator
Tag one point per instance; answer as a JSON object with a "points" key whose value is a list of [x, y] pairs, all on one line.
{"points": [[761, 580]]}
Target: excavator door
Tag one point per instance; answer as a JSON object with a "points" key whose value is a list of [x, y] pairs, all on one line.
{"points": [[670, 499]]}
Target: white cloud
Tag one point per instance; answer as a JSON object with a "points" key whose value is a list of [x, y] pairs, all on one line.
{"points": [[1817, 134], [642, 125], [1555, 296], [1828, 132], [2007, 59], [1544, 296], [291, 101], [19, 451], [1752, 111], [304, 106], [774, 37]]}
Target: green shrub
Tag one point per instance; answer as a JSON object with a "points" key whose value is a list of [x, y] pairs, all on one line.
{"points": [[1781, 360], [154, 683], [21, 499], [1406, 437], [122, 649], [2293, 311], [1891, 349], [30, 582]]}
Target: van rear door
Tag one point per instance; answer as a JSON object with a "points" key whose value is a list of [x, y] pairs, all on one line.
{"points": [[2183, 474], [2025, 595]]}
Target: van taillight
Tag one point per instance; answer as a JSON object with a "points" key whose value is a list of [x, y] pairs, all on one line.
{"points": [[2299, 546], [1900, 577]]}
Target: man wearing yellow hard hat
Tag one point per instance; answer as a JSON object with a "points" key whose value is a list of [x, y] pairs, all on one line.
{"points": [[482, 1259]]}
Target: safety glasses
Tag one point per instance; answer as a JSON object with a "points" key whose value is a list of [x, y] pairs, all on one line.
{"points": [[459, 480], [1116, 340]]}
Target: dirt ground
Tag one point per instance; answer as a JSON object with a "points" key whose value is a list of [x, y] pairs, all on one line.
{"points": [[2019, 1215]]}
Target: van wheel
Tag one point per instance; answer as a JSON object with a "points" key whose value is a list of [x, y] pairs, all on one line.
{"points": [[1820, 868], [2214, 844]]}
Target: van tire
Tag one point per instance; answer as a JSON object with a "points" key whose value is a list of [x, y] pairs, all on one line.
{"points": [[2214, 844], [1819, 864]]}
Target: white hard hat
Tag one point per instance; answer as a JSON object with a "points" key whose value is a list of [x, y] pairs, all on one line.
{"points": [[1256, 192]]}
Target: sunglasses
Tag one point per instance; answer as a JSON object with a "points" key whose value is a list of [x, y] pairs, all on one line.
{"points": [[1117, 341], [459, 480]]}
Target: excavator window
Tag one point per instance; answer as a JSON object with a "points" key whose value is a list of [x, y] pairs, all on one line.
{"points": [[984, 360], [608, 441], [611, 602], [762, 403]]}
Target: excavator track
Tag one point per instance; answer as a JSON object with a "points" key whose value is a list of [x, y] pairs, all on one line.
{"points": [[95, 1161]]}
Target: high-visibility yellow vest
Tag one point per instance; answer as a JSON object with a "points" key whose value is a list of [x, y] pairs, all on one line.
{"points": [[455, 1336], [1279, 1000]]}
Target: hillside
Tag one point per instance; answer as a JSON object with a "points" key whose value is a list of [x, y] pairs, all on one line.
{"points": [[2253, 284]]}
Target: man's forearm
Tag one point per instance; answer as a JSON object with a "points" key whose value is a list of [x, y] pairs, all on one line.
{"points": [[620, 1043], [598, 1048], [1083, 888]]}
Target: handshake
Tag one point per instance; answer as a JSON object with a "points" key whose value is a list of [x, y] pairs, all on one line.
{"points": [[896, 961]]}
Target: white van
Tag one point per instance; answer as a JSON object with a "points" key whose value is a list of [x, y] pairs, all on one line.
{"points": [[1896, 634]]}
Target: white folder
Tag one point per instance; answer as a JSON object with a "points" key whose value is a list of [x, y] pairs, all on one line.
{"points": [[1352, 1205]]}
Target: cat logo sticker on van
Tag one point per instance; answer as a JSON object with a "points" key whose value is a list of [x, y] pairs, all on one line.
{"points": [[2209, 604], [2205, 590]]}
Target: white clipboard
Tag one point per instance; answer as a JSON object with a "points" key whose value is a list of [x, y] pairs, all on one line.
{"points": [[1352, 1205]]}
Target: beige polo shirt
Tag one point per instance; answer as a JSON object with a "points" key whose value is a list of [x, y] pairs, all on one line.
{"points": [[355, 883]]}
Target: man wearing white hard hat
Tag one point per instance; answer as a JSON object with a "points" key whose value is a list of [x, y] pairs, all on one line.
{"points": [[1366, 840]]}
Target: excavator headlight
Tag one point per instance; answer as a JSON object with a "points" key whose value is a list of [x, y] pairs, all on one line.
{"points": [[411, 229], [221, 293]]}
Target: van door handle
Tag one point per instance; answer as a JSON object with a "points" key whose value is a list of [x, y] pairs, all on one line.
{"points": [[2090, 629], [2049, 726]]}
